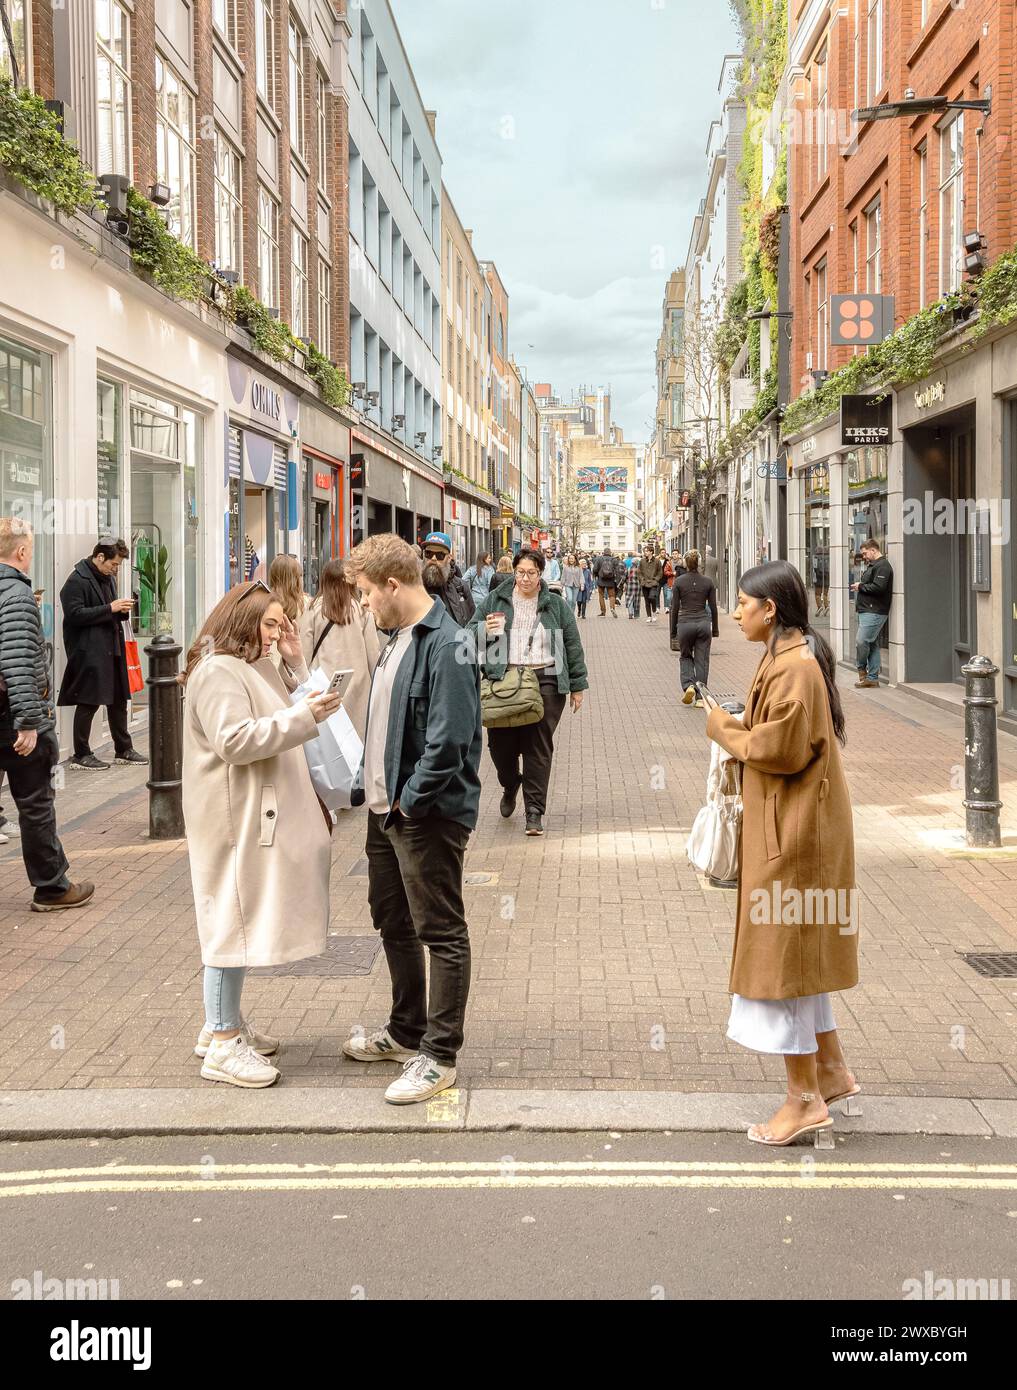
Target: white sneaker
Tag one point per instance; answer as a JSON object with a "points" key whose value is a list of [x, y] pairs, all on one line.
{"points": [[258, 1042], [238, 1065], [422, 1078], [379, 1046], [10, 828], [689, 695]]}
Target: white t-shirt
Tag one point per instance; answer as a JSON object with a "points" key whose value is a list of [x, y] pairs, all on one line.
{"points": [[375, 790]]}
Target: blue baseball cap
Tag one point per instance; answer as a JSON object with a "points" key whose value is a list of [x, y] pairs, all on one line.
{"points": [[439, 538]]}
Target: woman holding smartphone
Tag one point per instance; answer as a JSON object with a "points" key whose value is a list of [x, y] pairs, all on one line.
{"points": [[796, 938], [255, 829]]}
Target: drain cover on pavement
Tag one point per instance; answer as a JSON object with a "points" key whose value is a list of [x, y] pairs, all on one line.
{"points": [[994, 964], [344, 955]]}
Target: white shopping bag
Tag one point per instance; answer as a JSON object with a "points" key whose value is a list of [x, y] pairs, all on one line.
{"points": [[334, 757], [712, 846]]}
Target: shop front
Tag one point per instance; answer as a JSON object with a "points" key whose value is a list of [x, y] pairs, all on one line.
{"points": [[262, 488], [468, 521], [325, 490], [390, 491]]}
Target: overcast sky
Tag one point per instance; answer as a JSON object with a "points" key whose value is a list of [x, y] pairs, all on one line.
{"points": [[573, 137]]}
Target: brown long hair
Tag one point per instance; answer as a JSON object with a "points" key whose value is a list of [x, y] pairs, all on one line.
{"points": [[335, 593], [285, 578], [233, 628]]}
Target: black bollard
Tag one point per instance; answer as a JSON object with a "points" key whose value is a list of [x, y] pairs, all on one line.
{"points": [[165, 740], [981, 764]]}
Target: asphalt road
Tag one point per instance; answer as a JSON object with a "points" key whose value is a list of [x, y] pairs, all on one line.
{"points": [[506, 1216]]}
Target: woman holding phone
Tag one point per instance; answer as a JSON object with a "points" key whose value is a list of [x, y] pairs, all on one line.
{"points": [[254, 826], [338, 634], [796, 938]]}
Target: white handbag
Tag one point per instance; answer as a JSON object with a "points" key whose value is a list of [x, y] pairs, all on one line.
{"points": [[335, 755], [713, 842]]}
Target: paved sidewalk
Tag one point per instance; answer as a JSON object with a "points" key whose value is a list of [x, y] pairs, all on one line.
{"points": [[600, 959]]}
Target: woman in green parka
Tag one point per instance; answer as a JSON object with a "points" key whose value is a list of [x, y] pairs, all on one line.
{"points": [[521, 623]]}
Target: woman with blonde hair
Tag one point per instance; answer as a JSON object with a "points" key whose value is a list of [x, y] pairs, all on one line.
{"points": [[286, 580], [338, 634], [257, 841], [503, 570]]}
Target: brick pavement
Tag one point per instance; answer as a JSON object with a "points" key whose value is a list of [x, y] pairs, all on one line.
{"points": [[600, 959]]}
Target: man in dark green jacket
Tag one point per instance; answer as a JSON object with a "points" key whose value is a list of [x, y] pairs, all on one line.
{"points": [[420, 779], [29, 749], [522, 624]]}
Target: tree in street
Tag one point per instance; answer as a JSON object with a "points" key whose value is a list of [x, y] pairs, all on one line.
{"points": [[705, 377], [576, 511]]}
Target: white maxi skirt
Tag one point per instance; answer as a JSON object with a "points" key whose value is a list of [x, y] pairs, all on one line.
{"points": [[785, 1026]]}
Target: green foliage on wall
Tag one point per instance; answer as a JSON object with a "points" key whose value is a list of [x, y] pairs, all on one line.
{"points": [[34, 152], [173, 266]]}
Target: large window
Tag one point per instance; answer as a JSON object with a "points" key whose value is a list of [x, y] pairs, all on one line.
{"points": [[923, 222], [113, 88], [268, 249], [296, 88], [873, 248], [298, 284], [324, 307], [228, 206], [26, 459], [874, 33], [951, 204], [17, 13], [264, 49], [822, 317], [174, 135]]}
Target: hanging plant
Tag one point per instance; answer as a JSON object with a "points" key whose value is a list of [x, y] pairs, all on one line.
{"points": [[33, 150]]}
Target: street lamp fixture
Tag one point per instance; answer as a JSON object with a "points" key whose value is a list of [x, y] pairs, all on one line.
{"points": [[398, 422], [974, 260], [921, 106]]}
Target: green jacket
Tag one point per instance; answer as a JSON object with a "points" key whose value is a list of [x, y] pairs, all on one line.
{"points": [[554, 614]]}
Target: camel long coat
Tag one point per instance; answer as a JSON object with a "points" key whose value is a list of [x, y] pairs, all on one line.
{"points": [[259, 850], [353, 647], [797, 835]]}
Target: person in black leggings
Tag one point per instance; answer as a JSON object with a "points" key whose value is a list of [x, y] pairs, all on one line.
{"points": [[694, 623]]}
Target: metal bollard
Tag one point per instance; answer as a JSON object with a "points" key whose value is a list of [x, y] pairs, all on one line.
{"points": [[981, 764], [165, 739]]}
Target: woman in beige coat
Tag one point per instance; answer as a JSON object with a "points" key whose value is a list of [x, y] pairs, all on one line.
{"points": [[796, 938], [337, 634], [255, 829]]}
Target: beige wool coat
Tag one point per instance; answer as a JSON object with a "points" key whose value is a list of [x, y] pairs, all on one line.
{"points": [[797, 840], [259, 850], [353, 647]]}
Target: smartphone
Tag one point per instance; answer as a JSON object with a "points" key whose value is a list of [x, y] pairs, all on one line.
{"points": [[706, 695], [339, 682]]}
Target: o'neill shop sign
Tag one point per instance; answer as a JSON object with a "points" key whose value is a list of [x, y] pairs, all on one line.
{"points": [[865, 420]]}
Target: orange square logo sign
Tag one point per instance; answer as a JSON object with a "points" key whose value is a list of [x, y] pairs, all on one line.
{"points": [[859, 320]]}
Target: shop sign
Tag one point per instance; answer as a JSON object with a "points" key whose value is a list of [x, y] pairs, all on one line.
{"points": [[865, 420], [930, 395], [266, 401], [453, 508], [24, 474], [808, 447], [323, 480], [358, 470]]}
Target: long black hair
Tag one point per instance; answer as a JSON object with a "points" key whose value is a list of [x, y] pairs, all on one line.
{"points": [[780, 582]]}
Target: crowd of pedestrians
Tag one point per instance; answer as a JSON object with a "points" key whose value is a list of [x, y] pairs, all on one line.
{"points": [[431, 656]]}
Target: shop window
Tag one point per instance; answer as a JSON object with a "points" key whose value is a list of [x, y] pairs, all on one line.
{"points": [[109, 457], [866, 520], [26, 459]]}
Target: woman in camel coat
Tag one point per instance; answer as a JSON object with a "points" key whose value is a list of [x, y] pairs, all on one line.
{"points": [[796, 938], [337, 634], [259, 849]]}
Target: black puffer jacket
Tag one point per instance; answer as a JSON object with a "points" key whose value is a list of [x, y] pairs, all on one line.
{"points": [[457, 599], [96, 671], [26, 704]]}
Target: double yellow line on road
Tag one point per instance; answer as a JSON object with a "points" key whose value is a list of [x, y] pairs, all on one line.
{"points": [[509, 1174]]}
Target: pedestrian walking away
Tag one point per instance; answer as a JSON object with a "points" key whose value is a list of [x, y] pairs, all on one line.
{"points": [[632, 592], [338, 634], [608, 571], [521, 625], [651, 576], [29, 749], [874, 595], [96, 670], [257, 840], [694, 624], [286, 580], [796, 933], [478, 577], [442, 581], [420, 781]]}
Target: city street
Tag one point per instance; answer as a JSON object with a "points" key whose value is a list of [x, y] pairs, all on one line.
{"points": [[600, 959]]}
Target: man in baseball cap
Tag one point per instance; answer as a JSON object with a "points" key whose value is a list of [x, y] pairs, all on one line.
{"points": [[442, 580]]}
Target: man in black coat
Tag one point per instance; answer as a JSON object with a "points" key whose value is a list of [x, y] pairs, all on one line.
{"points": [[29, 749], [96, 671], [441, 578]]}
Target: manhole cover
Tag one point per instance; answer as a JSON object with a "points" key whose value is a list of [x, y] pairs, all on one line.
{"points": [[359, 869], [344, 955], [993, 964]]}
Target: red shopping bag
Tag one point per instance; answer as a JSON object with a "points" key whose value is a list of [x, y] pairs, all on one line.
{"points": [[135, 680]]}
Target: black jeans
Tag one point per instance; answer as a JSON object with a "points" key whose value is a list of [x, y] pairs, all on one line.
{"points": [[31, 783], [415, 891], [651, 597], [534, 744], [695, 635], [117, 716]]}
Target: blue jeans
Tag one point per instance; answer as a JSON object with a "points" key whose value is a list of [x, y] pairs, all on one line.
{"points": [[222, 996], [667, 597], [870, 625]]}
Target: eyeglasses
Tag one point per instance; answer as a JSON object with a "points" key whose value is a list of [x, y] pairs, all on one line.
{"points": [[255, 584]]}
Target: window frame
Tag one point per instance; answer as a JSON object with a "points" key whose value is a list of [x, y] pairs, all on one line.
{"points": [[923, 222], [264, 51], [268, 241], [296, 87], [167, 132], [821, 281], [229, 33], [324, 307], [873, 215], [299, 304], [875, 40], [105, 53], [951, 186], [321, 125], [228, 199]]}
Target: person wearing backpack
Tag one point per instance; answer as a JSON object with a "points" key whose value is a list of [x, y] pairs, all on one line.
{"points": [[337, 634], [606, 573]]}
